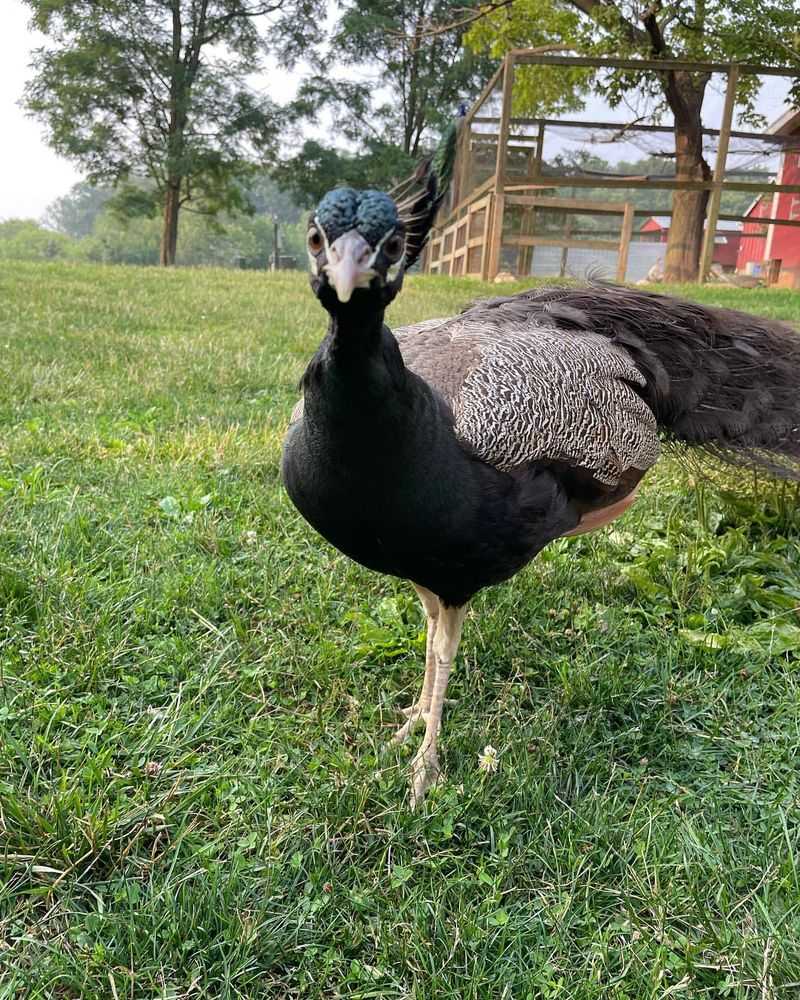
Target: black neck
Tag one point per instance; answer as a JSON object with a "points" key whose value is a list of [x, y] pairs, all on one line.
{"points": [[355, 329], [358, 369]]}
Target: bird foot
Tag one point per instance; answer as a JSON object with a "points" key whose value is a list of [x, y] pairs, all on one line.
{"points": [[414, 715], [425, 771], [410, 710]]}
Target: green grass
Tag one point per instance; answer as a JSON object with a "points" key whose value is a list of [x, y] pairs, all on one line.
{"points": [[194, 692]]}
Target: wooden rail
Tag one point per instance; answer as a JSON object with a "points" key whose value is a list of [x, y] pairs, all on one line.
{"points": [[767, 137], [449, 250], [657, 183], [506, 192], [528, 58]]}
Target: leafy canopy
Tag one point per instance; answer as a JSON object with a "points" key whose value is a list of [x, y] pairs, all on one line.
{"points": [[316, 168], [415, 80], [401, 87], [159, 89], [713, 30], [75, 212], [83, 226]]}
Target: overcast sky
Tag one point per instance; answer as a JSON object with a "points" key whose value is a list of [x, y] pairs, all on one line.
{"points": [[32, 175]]}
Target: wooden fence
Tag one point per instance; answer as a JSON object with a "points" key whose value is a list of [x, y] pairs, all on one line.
{"points": [[479, 232]]}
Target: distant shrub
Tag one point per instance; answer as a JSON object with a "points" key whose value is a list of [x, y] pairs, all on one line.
{"points": [[25, 239], [239, 241]]}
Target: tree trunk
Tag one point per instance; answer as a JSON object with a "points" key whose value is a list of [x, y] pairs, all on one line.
{"points": [[169, 232], [181, 78], [684, 93]]}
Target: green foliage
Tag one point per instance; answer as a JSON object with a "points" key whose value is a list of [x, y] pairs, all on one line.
{"points": [[117, 240], [194, 798], [545, 91], [75, 212], [410, 86], [265, 197], [131, 201], [160, 91], [395, 627], [317, 168], [425, 76], [774, 26], [25, 239], [714, 30], [224, 241], [243, 241]]}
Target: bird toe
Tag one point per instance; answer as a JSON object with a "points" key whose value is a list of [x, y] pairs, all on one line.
{"points": [[414, 715], [425, 771], [410, 710]]}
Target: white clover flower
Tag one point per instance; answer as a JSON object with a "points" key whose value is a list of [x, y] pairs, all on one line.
{"points": [[489, 759]]}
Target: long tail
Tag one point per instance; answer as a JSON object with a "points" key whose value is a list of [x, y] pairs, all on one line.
{"points": [[419, 196], [717, 379]]}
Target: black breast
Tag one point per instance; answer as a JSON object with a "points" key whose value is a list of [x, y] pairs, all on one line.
{"points": [[417, 505]]}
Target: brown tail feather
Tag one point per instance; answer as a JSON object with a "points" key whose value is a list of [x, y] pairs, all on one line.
{"points": [[717, 379]]}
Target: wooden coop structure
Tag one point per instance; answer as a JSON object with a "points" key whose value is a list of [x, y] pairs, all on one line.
{"points": [[507, 204]]}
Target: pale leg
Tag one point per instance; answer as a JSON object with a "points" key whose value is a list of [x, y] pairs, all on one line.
{"points": [[416, 712], [425, 766]]}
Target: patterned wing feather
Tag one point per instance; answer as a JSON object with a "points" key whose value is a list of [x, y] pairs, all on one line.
{"points": [[583, 375], [523, 390]]}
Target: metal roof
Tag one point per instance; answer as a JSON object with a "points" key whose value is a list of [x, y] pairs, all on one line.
{"points": [[723, 225], [788, 123]]}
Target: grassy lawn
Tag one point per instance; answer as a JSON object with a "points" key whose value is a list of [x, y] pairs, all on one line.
{"points": [[195, 691]]}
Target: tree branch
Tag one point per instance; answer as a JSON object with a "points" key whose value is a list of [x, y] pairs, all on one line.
{"points": [[470, 17], [588, 7], [221, 23], [628, 28], [776, 39], [653, 29]]}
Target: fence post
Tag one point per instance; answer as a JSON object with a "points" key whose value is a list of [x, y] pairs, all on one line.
{"points": [[712, 217], [625, 241], [562, 267], [496, 232]]}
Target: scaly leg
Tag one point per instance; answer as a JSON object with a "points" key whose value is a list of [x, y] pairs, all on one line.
{"points": [[425, 767], [416, 712]]}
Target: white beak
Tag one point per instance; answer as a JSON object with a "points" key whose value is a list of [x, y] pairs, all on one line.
{"points": [[348, 264]]}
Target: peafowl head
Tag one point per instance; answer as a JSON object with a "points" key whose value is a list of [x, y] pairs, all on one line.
{"points": [[356, 240]]}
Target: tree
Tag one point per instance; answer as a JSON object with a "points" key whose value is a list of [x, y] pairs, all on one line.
{"points": [[316, 168], [157, 89], [712, 30], [411, 85], [25, 239], [75, 212], [267, 198], [424, 77]]}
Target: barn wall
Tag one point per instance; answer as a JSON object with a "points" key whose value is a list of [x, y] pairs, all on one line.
{"points": [[753, 244], [786, 241], [757, 247], [725, 254]]}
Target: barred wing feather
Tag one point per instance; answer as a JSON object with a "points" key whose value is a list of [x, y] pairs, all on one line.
{"points": [[526, 391]]}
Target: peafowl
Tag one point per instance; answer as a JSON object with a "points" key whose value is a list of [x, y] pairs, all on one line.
{"points": [[451, 452]]}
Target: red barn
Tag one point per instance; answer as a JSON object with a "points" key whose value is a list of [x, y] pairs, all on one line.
{"points": [[774, 251], [726, 239]]}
